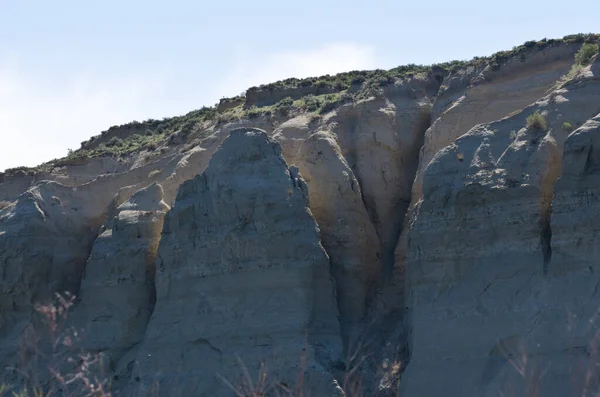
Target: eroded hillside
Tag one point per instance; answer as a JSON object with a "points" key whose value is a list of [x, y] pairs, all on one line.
{"points": [[375, 232]]}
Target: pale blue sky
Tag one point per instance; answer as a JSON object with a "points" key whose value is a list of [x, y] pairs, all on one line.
{"points": [[69, 69]]}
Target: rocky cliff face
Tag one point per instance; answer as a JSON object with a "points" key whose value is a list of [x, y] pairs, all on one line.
{"points": [[488, 291], [121, 268], [420, 233], [241, 274]]}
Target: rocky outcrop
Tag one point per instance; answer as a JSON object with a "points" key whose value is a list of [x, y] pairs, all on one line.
{"points": [[14, 183], [483, 292], [241, 273], [380, 138], [291, 135], [45, 238], [270, 95], [117, 293], [573, 229], [489, 290], [229, 103], [574, 259], [482, 95], [346, 230]]}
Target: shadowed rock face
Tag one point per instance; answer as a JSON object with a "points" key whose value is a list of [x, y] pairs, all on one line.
{"points": [[346, 231], [241, 272], [486, 294], [574, 239], [45, 238], [482, 96], [117, 293]]}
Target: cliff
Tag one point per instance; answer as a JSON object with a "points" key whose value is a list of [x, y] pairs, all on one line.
{"points": [[422, 231]]}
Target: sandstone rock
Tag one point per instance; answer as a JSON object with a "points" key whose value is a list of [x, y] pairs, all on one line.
{"points": [[483, 294], [266, 96], [13, 184], [195, 161], [43, 245], [380, 140], [241, 273], [117, 293], [188, 167], [491, 279], [481, 96], [229, 103], [291, 134], [45, 241], [346, 231]]}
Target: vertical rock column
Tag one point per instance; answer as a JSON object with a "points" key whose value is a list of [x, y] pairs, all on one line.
{"points": [[346, 230], [490, 313], [241, 274], [117, 290]]}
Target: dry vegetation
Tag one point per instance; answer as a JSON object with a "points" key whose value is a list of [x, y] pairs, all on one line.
{"points": [[537, 122], [59, 369], [341, 88]]}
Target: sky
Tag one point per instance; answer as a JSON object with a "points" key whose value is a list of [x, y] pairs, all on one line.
{"points": [[70, 69]]}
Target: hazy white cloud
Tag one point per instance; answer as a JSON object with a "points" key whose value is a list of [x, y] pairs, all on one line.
{"points": [[251, 70], [41, 118]]}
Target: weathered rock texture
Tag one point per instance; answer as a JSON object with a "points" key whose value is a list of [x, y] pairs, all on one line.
{"points": [[422, 246], [475, 96], [380, 138], [45, 238], [574, 239], [117, 289], [346, 231], [485, 293], [241, 273]]}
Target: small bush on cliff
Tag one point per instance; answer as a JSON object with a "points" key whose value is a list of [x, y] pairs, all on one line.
{"points": [[586, 53], [258, 112], [284, 106], [114, 141], [330, 102], [311, 103], [567, 126], [536, 122]]}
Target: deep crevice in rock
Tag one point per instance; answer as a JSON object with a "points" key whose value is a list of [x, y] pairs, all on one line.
{"points": [[545, 239]]}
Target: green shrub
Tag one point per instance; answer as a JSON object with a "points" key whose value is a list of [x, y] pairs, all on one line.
{"points": [[311, 103], [331, 102], [187, 127], [536, 121], [255, 112], [114, 141], [567, 126], [586, 53], [284, 106], [328, 106]]}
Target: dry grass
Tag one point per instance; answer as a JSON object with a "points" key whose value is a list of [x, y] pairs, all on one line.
{"points": [[4, 204], [58, 369], [536, 121], [50, 364]]}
